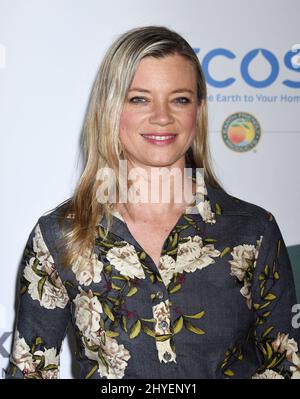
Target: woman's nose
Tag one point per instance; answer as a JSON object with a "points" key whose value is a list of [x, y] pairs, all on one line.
{"points": [[161, 114]]}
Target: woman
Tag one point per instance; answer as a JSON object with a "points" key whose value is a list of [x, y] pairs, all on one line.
{"points": [[196, 288]]}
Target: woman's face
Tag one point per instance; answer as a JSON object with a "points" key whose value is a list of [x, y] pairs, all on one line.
{"points": [[158, 120]]}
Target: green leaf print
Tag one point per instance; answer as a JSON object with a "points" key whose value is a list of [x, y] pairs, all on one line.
{"points": [[269, 350], [229, 373], [270, 297], [148, 331], [39, 341], [225, 252], [178, 324], [91, 372], [103, 360], [196, 316], [112, 333], [133, 291], [23, 289], [124, 323], [266, 270], [193, 328], [41, 364], [135, 329], [175, 240], [278, 247], [41, 284], [267, 332], [107, 311], [276, 276], [218, 209], [37, 271], [149, 320], [50, 367], [163, 337], [175, 288], [209, 240], [92, 348], [188, 219], [120, 278]]}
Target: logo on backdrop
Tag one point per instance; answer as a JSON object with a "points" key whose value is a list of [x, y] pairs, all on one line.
{"points": [[290, 61], [241, 131]]}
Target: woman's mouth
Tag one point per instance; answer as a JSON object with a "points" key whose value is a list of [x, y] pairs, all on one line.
{"points": [[159, 139]]}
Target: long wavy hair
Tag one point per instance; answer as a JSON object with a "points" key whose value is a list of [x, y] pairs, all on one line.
{"points": [[100, 134]]}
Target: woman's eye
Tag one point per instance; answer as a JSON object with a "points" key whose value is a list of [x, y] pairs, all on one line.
{"points": [[140, 100], [182, 100], [137, 100]]}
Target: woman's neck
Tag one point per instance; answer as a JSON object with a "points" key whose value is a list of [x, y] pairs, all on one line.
{"points": [[157, 201]]}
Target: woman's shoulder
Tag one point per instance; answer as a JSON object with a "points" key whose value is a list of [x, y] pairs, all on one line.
{"points": [[51, 222], [225, 203], [59, 211]]}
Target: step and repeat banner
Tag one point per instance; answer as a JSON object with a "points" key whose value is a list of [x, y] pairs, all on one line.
{"points": [[49, 54]]}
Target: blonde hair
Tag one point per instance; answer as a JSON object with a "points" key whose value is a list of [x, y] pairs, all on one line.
{"points": [[101, 144]]}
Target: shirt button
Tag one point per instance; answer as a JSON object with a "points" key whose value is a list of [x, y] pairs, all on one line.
{"points": [[167, 356], [159, 294], [163, 324]]}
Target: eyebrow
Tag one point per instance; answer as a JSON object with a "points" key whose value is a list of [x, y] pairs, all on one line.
{"points": [[174, 91]]}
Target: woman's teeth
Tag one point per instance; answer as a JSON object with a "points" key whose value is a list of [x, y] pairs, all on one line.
{"points": [[161, 138]]}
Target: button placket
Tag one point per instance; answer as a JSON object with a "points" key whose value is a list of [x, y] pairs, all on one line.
{"points": [[161, 314]]}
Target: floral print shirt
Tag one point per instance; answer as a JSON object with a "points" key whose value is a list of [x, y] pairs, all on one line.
{"points": [[219, 305]]}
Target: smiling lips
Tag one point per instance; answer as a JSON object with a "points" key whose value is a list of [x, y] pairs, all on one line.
{"points": [[159, 138]]}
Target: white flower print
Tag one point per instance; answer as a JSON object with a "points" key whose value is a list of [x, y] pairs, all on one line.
{"points": [[244, 258], [282, 343], [21, 355], [193, 255], [116, 356], [45, 285], [205, 211], [126, 261], [166, 268], [246, 292], [30, 363], [54, 294], [87, 313], [51, 358], [88, 310], [201, 186], [268, 374], [41, 250], [295, 369], [88, 268], [201, 204]]}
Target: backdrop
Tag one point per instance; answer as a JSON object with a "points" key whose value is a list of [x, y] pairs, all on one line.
{"points": [[50, 51]]}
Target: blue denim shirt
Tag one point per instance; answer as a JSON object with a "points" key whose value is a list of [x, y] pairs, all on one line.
{"points": [[219, 305]]}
